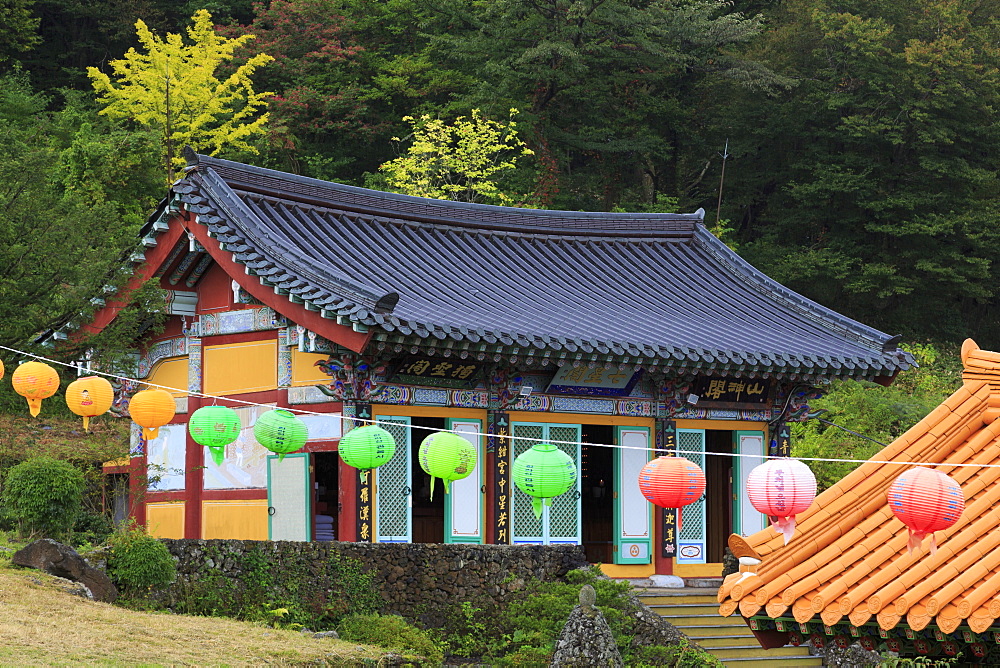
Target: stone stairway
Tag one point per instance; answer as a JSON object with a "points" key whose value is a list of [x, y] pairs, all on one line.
{"points": [[695, 612]]}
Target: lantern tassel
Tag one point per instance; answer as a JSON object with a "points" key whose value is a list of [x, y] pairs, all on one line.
{"points": [[432, 488], [445, 482], [933, 544], [34, 407], [786, 527], [536, 505], [86, 424], [218, 454], [915, 542]]}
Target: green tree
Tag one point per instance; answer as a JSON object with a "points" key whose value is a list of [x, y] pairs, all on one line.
{"points": [[871, 185], [18, 28], [877, 412], [604, 85], [172, 86], [463, 161], [74, 194]]}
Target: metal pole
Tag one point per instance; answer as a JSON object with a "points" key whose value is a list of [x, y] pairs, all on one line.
{"points": [[722, 179]]}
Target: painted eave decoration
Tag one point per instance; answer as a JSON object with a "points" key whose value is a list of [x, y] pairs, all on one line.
{"points": [[848, 572], [653, 291]]}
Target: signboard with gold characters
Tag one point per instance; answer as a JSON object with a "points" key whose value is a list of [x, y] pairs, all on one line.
{"points": [[437, 372], [732, 392]]}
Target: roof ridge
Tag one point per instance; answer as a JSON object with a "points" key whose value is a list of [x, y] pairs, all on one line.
{"points": [[375, 202]]}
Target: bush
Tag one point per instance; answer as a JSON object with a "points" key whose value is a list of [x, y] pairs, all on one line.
{"points": [[392, 632], [92, 528], [44, 496], [137, 562]]}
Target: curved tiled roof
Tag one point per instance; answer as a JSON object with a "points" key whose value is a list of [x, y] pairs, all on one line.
{"points": [[655, 287], [848, 562]]}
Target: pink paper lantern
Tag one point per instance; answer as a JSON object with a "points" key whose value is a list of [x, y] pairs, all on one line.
{"points": [[781, 489], [925, 501], [671, 482]]}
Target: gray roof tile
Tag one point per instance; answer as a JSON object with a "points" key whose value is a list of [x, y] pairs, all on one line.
{"points": [[649, 286]]}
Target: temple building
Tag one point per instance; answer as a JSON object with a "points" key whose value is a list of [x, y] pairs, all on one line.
{"points": [[848, 576], [615, 336]]}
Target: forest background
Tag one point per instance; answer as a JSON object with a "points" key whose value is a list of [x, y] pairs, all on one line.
{"points": [[844, 147]]}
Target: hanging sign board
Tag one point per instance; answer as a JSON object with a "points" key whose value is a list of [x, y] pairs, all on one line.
{"points": [[732, 392], [600, 381], [437, 372]]}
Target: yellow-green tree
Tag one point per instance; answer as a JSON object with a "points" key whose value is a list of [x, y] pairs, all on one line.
{"points": [[172, 85], [464, 161]]}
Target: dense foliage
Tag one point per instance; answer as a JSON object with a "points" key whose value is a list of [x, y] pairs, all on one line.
{"points": [[859, 169], [44, 496], [877, 415], [137, 562]]}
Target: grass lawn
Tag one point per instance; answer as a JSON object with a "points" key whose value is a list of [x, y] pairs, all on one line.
{"points": [[42, 625]]}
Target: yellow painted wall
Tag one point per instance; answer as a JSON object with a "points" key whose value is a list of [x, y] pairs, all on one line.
{"points": [[698, 570], [304, 369], [235, 368], [165, 520], [243, 519], [628, 570], [171, 372]]}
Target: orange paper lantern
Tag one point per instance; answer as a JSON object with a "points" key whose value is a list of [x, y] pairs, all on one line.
{"points": [[925, 501], [89, 397], [151, 409], [782, 488], [671, 482], [1, 368], [35, 381]]}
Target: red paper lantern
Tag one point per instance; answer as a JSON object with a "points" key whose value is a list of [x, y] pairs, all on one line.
{"points": [[925, 501], [781, 489], [671, 482]]}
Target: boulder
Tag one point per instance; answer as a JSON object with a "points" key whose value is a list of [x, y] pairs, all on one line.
{"points": [[62, 561]]}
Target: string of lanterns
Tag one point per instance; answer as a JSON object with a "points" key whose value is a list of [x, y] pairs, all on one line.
{"points": [[923, 499]]}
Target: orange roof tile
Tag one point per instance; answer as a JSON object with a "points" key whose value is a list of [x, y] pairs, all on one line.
{"points": [[848, 561]]}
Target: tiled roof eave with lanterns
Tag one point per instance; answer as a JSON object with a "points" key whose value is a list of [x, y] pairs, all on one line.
{"points": [[726, 318], [848, 574]]}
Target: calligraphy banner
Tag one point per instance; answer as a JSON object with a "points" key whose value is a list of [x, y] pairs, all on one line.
{"points": [[499, 430], [666, 444]]}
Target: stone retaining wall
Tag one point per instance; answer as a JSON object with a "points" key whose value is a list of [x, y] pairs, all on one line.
{"points": [[413, 578]]}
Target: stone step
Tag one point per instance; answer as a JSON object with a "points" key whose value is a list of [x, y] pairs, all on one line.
{"points": [[683, 609], [666, 599], [683, 620], [714, 630], [755, 651], [774, 662], [718, 640], [695, 613]]}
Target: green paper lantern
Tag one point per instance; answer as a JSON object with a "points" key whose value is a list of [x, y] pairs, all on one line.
{"points": [[543, 472], [215, 427], [280, 432], [448, 456], [367, 447]]}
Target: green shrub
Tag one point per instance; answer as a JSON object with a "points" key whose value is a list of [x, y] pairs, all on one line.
{"points": [[44, 496], [137, 562], [392, 632], [91, 528]]}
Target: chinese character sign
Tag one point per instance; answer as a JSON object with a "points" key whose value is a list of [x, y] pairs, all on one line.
{"points": [[732, 392], [419, 370], [600, 381]]}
